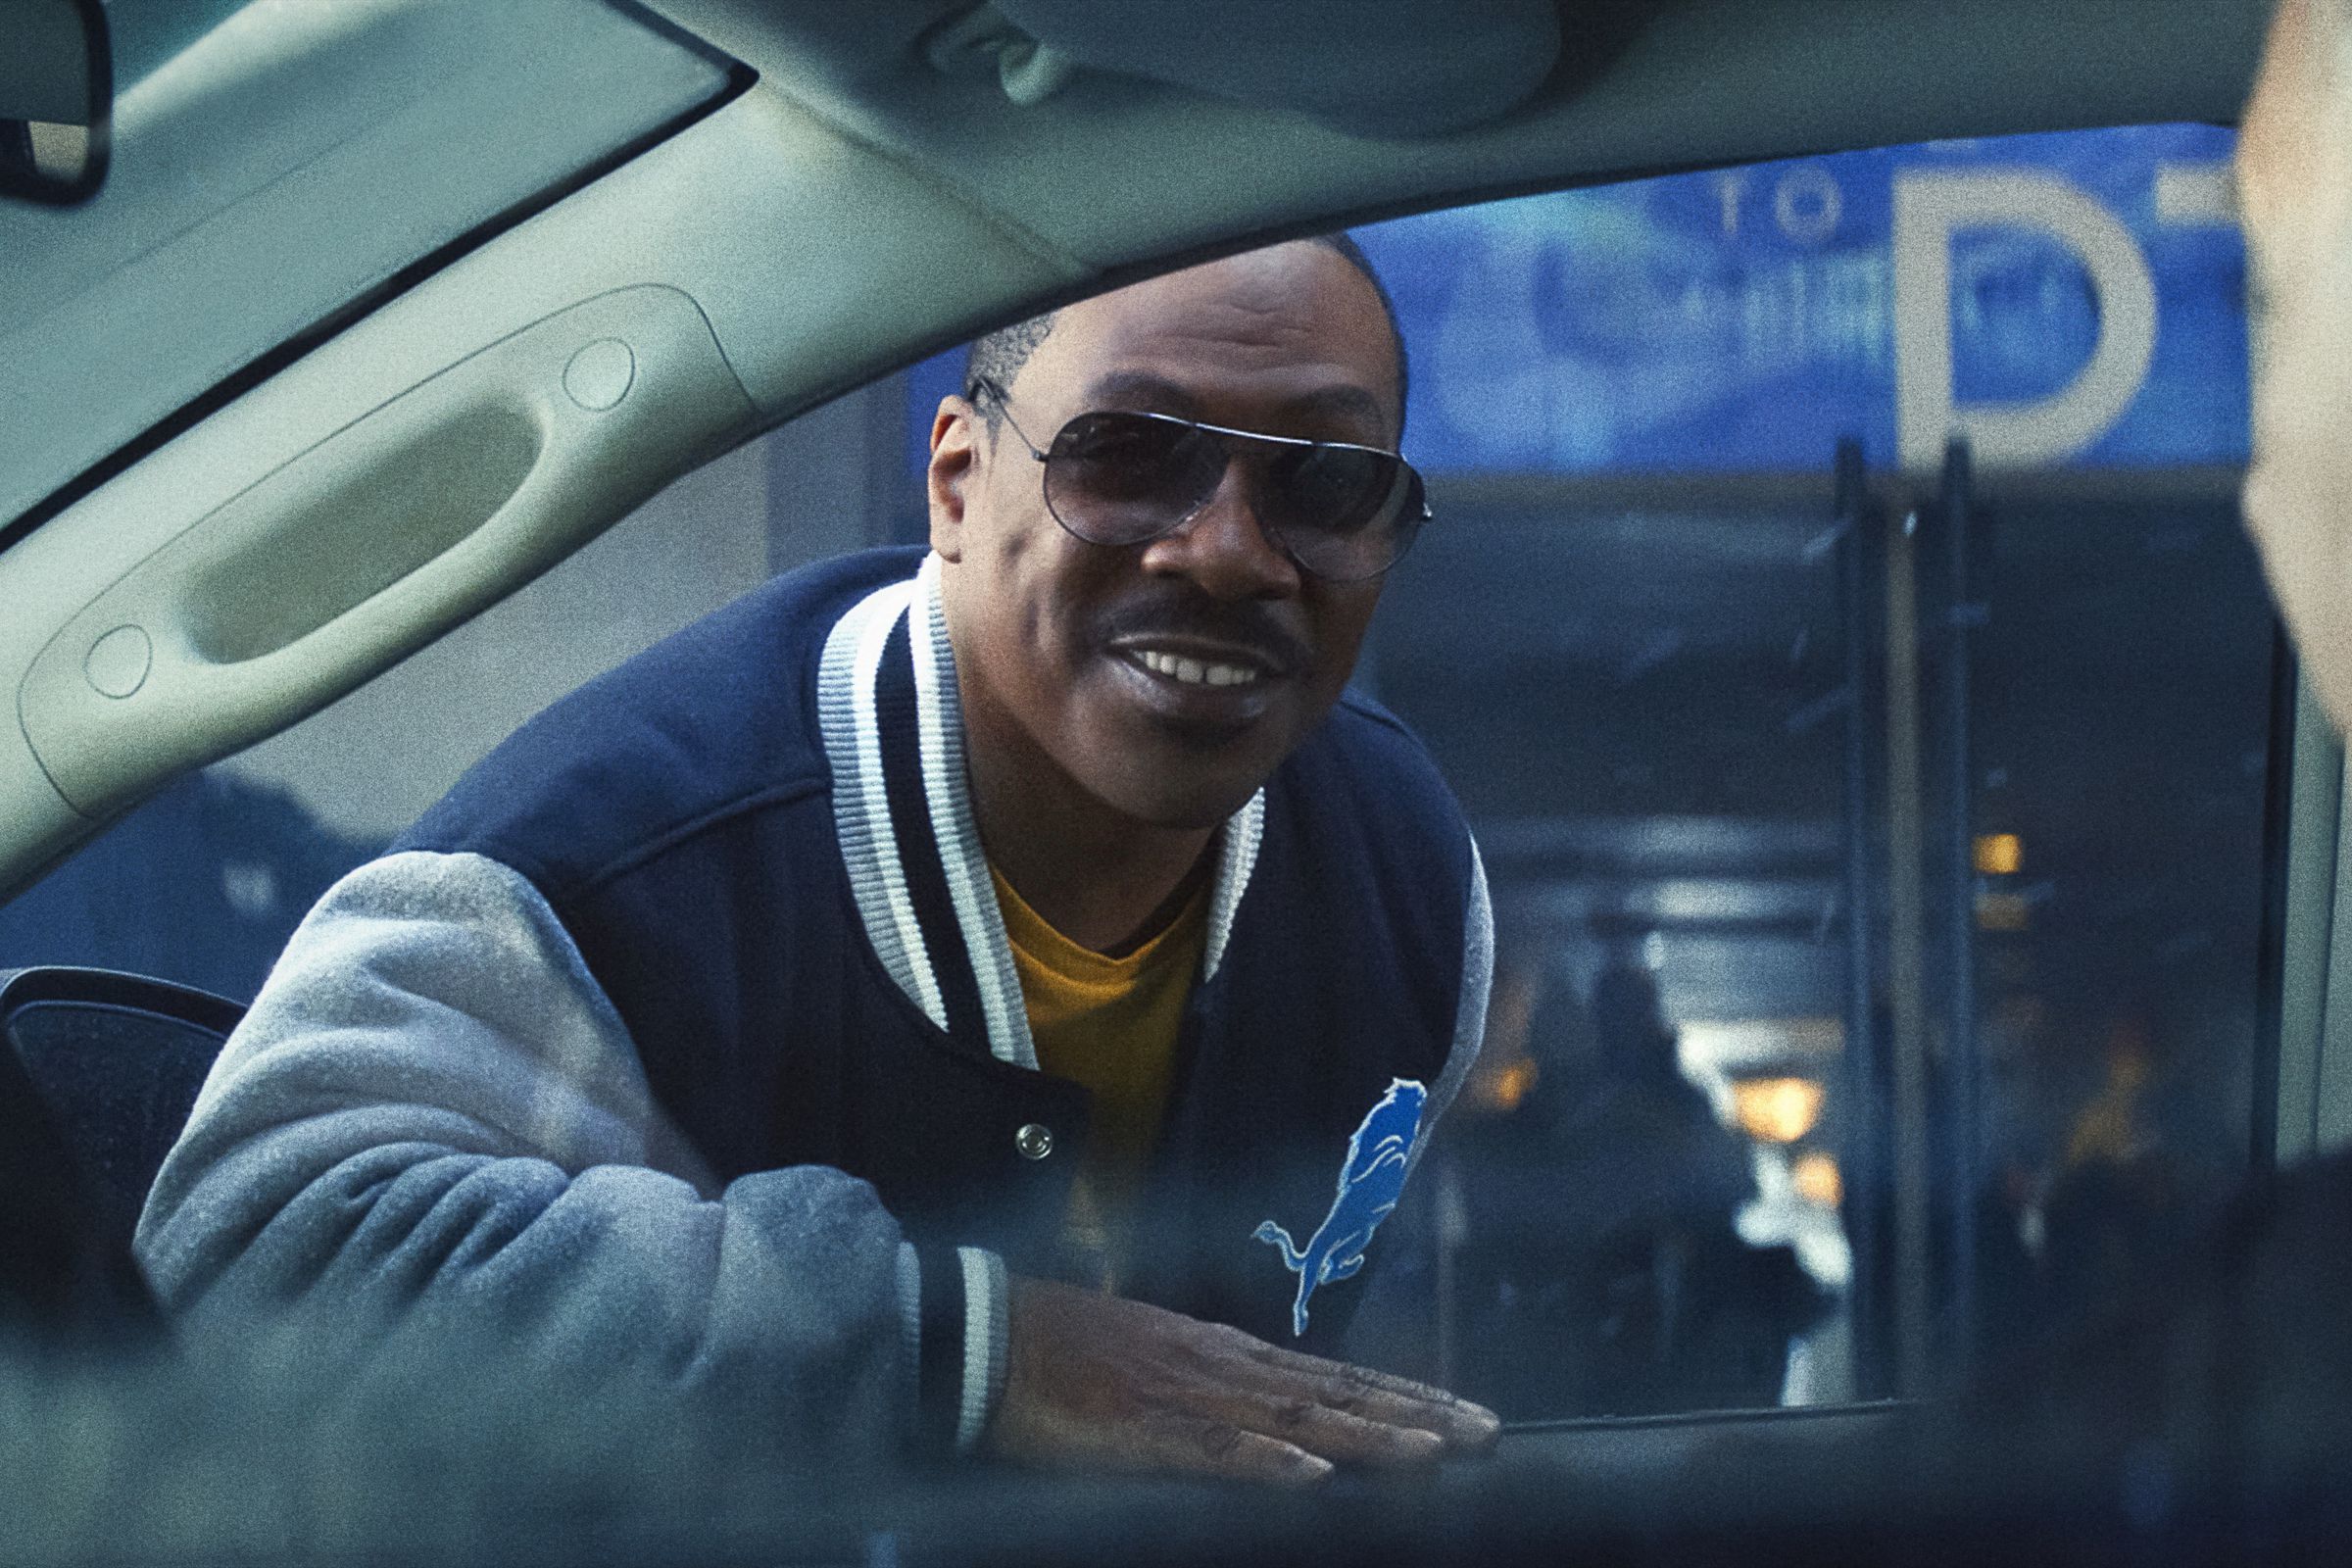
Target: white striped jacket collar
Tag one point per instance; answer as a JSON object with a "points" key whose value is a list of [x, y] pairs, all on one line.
{"points": [[892, 730]]}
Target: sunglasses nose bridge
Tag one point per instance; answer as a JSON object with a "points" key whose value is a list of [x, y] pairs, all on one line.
{"points": [[1233, 486], [1211, 474], [1251, 464], [1246, 464]]}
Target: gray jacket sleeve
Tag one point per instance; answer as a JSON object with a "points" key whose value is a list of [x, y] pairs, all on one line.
{"points": [[1470, 1004], [433, 1125]]}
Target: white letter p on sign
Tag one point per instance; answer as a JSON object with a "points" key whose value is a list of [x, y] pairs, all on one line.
{"points": [[1929, 210]]}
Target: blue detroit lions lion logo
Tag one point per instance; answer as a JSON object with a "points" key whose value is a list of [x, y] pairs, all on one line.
{"points": [[1369, 1185]]}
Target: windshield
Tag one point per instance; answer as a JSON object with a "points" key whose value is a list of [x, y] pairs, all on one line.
{"points": [[274, 164]]}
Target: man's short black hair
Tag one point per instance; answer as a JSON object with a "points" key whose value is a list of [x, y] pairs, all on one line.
{"points": [[999, 355]]}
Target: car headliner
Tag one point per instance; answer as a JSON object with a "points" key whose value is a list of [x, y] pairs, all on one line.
{"points": [[1113, 176]]}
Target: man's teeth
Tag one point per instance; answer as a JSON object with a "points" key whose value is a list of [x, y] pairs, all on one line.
{"points": [[1198, 672]]}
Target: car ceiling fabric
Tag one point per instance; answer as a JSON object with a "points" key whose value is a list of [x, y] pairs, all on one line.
{"points": [[1365, 68]]}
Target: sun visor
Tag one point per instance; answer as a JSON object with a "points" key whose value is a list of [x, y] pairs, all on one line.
{"points": [[1367, 67]]}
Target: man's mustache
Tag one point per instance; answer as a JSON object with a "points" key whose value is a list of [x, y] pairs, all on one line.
{"points": [[1248, 625]]}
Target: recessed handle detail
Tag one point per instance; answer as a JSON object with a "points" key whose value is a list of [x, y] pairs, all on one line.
{"points": [[366, 545]]}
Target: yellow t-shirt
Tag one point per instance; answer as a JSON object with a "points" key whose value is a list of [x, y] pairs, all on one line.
{"points": [[1110, 1024]]}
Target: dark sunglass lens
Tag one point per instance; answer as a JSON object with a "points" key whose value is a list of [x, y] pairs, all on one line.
{"points": [[1340, 509], [1120, 478]]}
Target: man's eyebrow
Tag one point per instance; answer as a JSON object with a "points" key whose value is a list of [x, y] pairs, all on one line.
{"points": [[1345, 400], [1141, 388]]}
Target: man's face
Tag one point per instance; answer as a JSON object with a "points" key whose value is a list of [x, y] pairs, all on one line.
{"points": [[1055, 637], [2294, 170]]}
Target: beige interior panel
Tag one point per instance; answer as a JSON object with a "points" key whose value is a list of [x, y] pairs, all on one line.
{"points": [[2325, 1086], [377, 540], [2310, 1004], [2315, 1005]]}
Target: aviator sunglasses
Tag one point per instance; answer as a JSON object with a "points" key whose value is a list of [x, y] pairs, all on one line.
{"points": [[1343, 512]]}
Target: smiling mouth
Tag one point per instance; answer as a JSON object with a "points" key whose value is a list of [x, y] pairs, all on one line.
{"points": [[1189, 671]]}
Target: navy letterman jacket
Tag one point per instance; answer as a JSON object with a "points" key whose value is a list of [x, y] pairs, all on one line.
{"points": [[706, 958]]}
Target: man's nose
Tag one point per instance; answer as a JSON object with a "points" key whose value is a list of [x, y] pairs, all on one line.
{"points": [[1223, 548]]}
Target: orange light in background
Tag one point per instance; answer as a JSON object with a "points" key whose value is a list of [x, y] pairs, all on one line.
{"points": [[1816, 1178], [1497, 1088], [2000, 854], [1777, 1110]]}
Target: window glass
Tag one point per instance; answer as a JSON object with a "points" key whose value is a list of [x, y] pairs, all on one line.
{"points": [[1878, 866], [272, 164]]}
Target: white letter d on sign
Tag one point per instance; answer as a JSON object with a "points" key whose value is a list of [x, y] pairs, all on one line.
{"points": [[1928, 209]]}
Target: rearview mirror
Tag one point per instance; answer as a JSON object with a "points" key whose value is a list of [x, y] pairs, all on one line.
{"points": [[57, 94]]}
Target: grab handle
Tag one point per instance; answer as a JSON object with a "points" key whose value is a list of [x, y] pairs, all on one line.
{"points": [[380, 538]]}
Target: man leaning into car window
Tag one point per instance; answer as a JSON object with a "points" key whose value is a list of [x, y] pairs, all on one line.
{"points": [[985, 998]]}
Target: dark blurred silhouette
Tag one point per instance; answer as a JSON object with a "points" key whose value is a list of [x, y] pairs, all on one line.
{"points": [[2125, 1201], [56, 1282], [1603, 1272]]}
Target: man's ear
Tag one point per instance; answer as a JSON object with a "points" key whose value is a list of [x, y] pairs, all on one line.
{"points": [[953, 469]]}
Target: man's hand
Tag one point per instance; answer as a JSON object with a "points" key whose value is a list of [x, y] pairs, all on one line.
{"points": [[1095, 1382]]}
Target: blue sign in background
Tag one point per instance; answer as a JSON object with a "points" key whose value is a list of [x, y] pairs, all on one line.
{"points": [[1741, 320]]}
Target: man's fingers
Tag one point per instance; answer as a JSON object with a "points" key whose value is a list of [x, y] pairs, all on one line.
{"points": [[1380, 1396], [1204, 1446], [1407, 1388], [1337, 1433], [1097, 1381], [1461, 1423]]}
